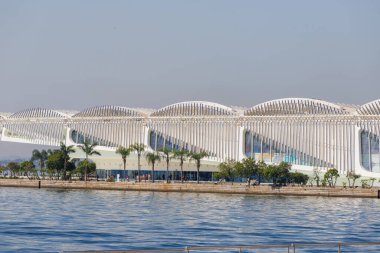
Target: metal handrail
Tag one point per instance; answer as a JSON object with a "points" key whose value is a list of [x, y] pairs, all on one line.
{"points": [[291, 248]]}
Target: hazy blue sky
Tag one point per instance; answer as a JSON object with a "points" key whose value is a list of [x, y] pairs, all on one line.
{"points": [[76, 54]]}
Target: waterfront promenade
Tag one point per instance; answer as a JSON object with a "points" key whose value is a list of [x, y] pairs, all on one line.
{"points": [[227, 188]]}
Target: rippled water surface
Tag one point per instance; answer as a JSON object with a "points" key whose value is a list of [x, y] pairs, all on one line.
{"points": [[47, 220]]}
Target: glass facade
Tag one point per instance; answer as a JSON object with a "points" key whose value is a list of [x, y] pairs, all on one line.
{"points": [[80, 138], [370, 151], [158, 141], [158, 175], [270, 151]]}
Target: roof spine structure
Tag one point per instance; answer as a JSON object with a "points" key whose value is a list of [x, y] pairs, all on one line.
{"points": [[109, 111], [295, 106], [194, 108]]}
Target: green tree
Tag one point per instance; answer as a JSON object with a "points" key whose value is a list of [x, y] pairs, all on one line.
{"points": [[331, 176], [248, 168], [89, 150], [262, 166], [40, 156], [152, 158], [124, 152], [270, 173], [13, 168], [228, 171], [70, 169], [197, 157], [138, 148], [317, 176], [181, 155], [279, 174], [27, 168], [65, 153], [55, 164], [84, 167], [166, 155]]}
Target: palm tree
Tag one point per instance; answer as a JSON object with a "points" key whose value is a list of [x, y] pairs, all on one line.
{"points": [[197, 158], [89, 150], [124, 152], [65, 151], [51, 151], [152, 158], [139, 148], [182, 155], [41, 156], [166, 155]]}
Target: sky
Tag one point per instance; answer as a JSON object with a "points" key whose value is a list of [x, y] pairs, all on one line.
{"points": [[77, 54]]}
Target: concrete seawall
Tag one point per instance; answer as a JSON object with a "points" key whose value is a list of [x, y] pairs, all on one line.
{"points": [[192, 187]]}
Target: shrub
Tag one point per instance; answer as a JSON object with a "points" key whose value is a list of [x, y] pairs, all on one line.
{"points": [[111, 179], [365, 183], [299, 178], [352, 176]]}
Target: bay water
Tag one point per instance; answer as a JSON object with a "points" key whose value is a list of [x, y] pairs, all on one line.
{"points": [[53, 220]]}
